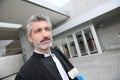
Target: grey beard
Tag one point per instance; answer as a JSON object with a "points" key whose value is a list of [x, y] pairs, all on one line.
{"points": [[45, 46]]}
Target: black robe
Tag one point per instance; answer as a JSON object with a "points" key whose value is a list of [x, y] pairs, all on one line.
{"points": [[39, 67]]}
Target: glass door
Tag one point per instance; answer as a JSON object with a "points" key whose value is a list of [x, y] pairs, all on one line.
{"points": [[55, 45], [65, 48], [81, 43], [90, 41], [72, 46]]}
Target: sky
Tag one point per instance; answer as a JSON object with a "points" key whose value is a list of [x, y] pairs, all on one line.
{"points": [[59, 3]]}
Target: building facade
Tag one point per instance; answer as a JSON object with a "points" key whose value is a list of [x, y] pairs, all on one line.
{"points": [[84, 28], [91, 29]]}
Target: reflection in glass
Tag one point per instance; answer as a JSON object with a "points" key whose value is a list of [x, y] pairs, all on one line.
{"points": [[72, 46], [55, 45], [90, 41], [66, 51], [81, 43], [10, 47], [65, 48]]}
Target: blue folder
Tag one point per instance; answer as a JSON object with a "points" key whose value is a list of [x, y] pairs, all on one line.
{"points": [[80, 77]]}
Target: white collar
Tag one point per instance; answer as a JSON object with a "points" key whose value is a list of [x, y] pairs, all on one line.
{"points": [[45, 55]]}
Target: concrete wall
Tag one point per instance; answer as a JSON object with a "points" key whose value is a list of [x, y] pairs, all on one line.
{"points": [[10, 65], [91, 14], [108, 34], [80, 7], [26, 47]]}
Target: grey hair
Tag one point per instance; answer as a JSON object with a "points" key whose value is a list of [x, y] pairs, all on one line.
{"points": [[35, 18]]}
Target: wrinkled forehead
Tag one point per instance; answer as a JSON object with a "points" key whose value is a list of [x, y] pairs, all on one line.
{"points": [[40, 24]]}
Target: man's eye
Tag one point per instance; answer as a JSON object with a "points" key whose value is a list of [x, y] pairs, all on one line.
{"points": [[38, 30], [48, 29]]}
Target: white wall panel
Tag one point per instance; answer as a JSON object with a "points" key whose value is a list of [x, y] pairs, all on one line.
{"points": [[109, 34], [10, 64]]}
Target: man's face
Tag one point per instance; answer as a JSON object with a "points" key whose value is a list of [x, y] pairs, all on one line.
{"points": [[40, 35]]}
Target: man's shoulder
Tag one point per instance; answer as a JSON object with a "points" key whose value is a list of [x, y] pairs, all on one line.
{"points": [[31, 64], [26, 71], [26, 67]]}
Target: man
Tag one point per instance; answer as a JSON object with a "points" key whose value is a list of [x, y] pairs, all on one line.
{"points": [[46, 63]]}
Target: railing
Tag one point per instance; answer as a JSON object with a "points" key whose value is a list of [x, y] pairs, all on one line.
{"points": [[7, 76]]}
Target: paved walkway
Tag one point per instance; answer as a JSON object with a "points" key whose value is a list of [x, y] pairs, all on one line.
{"points": [[105, 66]]}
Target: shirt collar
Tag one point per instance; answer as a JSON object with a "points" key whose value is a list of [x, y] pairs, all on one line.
{"points": [[45, 55]]}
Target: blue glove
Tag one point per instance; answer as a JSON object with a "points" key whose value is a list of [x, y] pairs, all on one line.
{"points": [[80, 77]]}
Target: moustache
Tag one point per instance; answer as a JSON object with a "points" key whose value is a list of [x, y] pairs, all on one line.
{"points": [[45, 39]]}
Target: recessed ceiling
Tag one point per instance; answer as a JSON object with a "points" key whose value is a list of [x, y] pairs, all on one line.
{"points": [[19, 11]]}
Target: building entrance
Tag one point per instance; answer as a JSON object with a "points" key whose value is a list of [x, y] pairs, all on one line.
{"points": [[80, 43], [90, 41]]}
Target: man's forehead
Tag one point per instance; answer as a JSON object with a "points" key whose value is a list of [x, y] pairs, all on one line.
{"points": [[40, 24]]}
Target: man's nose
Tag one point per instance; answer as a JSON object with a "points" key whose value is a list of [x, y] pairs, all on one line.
{"points": [[44, 33]]}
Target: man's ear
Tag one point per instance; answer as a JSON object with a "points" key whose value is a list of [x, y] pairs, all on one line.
{"points": [[30, 38]]}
